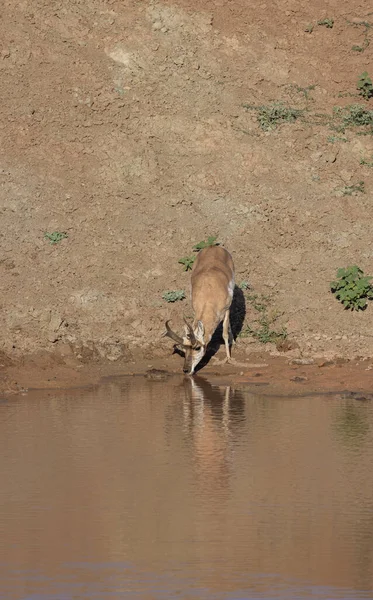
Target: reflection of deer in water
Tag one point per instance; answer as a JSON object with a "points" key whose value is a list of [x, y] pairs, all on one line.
{"points": [[211, 415], [212, 292]]}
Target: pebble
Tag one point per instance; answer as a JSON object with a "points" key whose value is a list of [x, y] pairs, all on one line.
{"points": [[302, 361]]}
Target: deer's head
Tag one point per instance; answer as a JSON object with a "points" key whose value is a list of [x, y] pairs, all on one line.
{"points": [[192, 344]]}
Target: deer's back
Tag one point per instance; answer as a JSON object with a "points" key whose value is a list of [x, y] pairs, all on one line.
{"points": [[213, 276]]}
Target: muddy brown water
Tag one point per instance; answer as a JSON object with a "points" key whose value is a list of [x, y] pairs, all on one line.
{"points": [[159, 489]]}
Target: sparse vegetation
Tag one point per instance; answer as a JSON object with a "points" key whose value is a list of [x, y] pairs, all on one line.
{"points": [[367, 163], [349, 190], [354, 115], [309, 28], [244, 285], [174, 295], [211, 241], [55, 237], [258, 301], [351, 116], [305, 90], [367, 27], [264, 330], [347, 95], [365, 86], [357, 48], [328, 23], [335, 138], [352, 288], [187, 262], [272, 115]]}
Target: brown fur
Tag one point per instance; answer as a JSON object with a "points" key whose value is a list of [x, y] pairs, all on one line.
{"points": [[212, 292], [212, 272]]}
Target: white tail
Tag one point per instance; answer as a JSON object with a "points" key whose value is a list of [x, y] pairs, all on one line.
{"points": [[212, 292]]}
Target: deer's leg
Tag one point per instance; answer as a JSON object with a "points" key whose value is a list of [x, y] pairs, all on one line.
{"points": [[227, 335]]}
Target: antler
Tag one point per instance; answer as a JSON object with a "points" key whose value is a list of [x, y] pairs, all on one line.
{"points": [[191, 335], [171, 334]]}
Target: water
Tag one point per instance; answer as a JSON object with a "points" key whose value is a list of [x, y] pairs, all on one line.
{"points": [[173, 489]]}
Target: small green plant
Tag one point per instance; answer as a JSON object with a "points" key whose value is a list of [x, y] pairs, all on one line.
{"points": [[259, 302], [309, 28], [274, 114], [335, 138], [187, 262], [56, 236], [264, 331], [348, 190], [357, 48], [211, 241], [328, 23], [367, 30], [352, 288], [347, 95], [354, 115], [244, 285], [174, 295], [367, 163], [365, 86], [305, 90]]}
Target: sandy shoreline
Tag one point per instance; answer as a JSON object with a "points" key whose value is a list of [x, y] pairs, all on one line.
{"points": [[271, 374]]}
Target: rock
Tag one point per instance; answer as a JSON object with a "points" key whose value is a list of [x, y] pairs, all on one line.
{"points": [[286, 345], [302, 361], [156, 374], [326, 363], [330, 157], [55, 323]]}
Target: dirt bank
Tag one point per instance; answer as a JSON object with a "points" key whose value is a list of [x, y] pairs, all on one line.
{"points": [[262, 373], [123, 126]]}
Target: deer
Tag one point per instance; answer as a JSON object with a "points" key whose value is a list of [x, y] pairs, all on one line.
{"points": [[212, 286]]}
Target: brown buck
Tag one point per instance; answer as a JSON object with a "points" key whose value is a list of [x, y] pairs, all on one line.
{"points": [[212, 292]]}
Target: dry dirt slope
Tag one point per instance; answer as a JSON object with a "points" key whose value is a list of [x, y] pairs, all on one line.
{"points": [[122, 124]]}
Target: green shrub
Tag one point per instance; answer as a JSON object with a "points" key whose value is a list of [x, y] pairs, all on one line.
{"points": [[273, 114], [211, 241], [174, 295], [187, 262], [56, 236], [352, 288], [328, 23], [365, 86]]}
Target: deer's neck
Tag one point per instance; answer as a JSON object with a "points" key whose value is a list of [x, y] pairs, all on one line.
{"points": [[209, 319]]}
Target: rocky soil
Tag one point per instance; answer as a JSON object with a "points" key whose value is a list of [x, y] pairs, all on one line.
{"points": [[124, 125]]}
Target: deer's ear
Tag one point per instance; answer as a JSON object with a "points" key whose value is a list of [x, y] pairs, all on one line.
{"points": [[200, 332]]}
